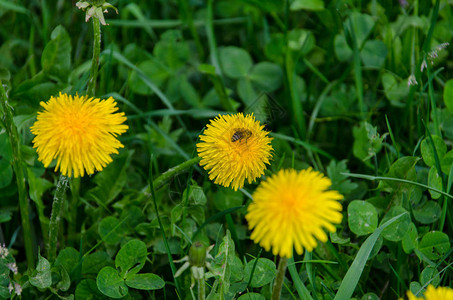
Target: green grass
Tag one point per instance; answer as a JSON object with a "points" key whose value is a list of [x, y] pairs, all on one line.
{"points": [[329, 81]]}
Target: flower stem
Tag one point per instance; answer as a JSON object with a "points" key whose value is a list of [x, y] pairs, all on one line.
{"points": [[162, 179], [279, 279], [24, 205], [55, 217], [73, 206], [95, 61], [201, 289]]}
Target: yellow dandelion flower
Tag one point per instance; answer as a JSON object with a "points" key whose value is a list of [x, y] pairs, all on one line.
{"points": [[79, 132], [290, 209], [432, 293], [234, 148]]}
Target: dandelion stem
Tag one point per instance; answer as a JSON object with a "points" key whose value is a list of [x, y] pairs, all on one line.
{"points": [[75, 188], [201, 289], [24, 206], [95, 61], [278, 284], [55, 217], [162, 179]]}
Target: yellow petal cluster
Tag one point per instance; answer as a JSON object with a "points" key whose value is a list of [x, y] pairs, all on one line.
{"points": [[291, 209], [432, 293], [79, 132], [234, 148]]}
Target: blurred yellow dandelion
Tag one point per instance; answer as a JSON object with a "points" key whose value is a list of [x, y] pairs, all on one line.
{"points": [[432, 293], [234, 148], [79, 132], [290, 210]]}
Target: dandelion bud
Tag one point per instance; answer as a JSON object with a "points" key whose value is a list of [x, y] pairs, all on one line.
{"points": [[197, 254]]}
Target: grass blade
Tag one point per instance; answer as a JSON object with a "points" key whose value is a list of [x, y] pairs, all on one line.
{"points": [[300, 287], [352, 277], [370, 177]]}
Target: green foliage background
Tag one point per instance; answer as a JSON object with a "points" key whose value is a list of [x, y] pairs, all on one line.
{"points": [[330, 81]]}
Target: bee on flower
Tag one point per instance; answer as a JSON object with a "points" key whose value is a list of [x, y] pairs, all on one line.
{"points": [[234, 148]]}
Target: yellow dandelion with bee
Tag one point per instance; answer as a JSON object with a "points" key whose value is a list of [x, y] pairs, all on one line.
{"points": [[234, 148], [432, 293], [291, 209], [79, 132]]}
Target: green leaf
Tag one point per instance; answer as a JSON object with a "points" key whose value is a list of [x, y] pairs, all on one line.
{"points": [[416, 288], [434, 181], [172, 50], [94, 262], [446, 162], [227, 198], [350, 280], [410, 239], [236, 62], [342, 50], [65, 281], [427, 213], [131, 255], [56, 56], [38, 88], [173, 243], [68, 258], [448, 95], [266, 76], [5, 75], [370, 296], [237, 269], [88, 290], [208, 69], [312, 5], [430, 275], [373, 54], [336, 239], [196, 195], [154, 70], [38, 186], [111, 180], [111, 284], [145, 281], [109, 230], [189, 93], [41, 277], [367, 141], [5, 215], [395, 90], [340, 182], [131, 215], [275, 48], [403, 168], [398, 229], [427, 150], [246, 91], [222, 266], [6, 173], [300, 40], [434, 244], [362, 217], [264, 273], [362, 25], [251, 296], [5, 147]]}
